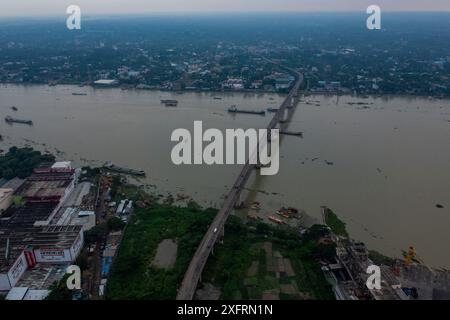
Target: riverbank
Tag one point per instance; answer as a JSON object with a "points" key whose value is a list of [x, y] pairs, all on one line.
{"points": [[354, 160], [228, 91]]}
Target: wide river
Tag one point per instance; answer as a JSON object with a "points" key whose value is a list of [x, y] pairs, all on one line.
{"points": [[382, 166]]}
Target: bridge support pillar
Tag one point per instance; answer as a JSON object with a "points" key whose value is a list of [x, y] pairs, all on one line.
{"points": [[222, 234], [284, 116], [239, 204]]}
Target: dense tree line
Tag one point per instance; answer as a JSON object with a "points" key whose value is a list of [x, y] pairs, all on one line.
{"points": [[20, 162]]}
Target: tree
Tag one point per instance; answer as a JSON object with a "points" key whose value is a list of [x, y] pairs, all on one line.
{"points": [[115, 224], [59, 290]]}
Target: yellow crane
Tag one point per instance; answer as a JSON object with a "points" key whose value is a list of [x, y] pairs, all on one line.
{"points": [[411, 256]]}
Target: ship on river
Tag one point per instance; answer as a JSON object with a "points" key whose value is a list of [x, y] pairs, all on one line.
{"points": [[10, 119], [170, 103]]}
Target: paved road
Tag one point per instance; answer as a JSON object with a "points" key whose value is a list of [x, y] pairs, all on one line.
{"points": [[198, 262]]}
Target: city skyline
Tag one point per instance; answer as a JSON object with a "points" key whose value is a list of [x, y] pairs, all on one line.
{"points": [[52, 7]]}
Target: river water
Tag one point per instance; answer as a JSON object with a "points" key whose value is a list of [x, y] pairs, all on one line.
{"points": [[381, 165]]}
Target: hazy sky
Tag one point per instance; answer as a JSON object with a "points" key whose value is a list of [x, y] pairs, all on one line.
{"points": [[58, 7]]}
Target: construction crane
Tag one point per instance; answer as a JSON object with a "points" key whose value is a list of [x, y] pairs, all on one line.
{"points": [[411, 256]]}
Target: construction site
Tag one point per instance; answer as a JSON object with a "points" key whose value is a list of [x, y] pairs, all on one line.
{"points": [[409, 278]]}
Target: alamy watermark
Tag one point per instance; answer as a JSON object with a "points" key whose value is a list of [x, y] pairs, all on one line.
{"points": [[73, 22], [74, 280], [189, 149], [374, 20], [374, 280]]}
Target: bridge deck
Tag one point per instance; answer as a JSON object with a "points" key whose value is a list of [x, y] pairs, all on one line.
{"points": [[198, 262]]}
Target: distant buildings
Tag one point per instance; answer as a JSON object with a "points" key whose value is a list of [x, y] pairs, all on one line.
{"points": [[6, 198], [330, 86], [233, 83], [106, 83]]}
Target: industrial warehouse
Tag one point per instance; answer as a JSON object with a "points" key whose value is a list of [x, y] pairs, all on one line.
{"points": [[35, 248]]}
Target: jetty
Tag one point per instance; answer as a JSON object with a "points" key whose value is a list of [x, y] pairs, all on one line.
{"points": [[292, 133]]}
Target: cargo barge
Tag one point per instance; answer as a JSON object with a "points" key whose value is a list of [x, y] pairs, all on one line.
{"points": [[9, 119], [233, 109]]}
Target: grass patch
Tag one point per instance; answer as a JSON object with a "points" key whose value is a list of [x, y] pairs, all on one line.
{"points": [[132, 276], [380, 259], [336, 225], [227, 269]]}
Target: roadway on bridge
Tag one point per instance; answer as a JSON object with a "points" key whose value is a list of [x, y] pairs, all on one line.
{"points": [[198, 262]]}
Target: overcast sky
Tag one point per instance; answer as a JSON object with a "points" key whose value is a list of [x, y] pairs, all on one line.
{"points": [[58, 7]]}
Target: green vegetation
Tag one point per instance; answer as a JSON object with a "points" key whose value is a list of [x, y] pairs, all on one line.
{"points": [[20, 162], [101, 230], [132, 275], [89, 174], [380, 259], [18, 201], [239, 266], [59, 290], [115, 224], [336, 225]]}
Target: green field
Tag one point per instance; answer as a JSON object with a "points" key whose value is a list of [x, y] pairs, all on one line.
{"points": [[132, 275], [230, 268]]}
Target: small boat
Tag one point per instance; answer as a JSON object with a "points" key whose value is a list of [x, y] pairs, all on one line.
{"points": [[256, 205], [276, 220], [217, 98], [170, 103], [270, 109], [14, 108], [283, 214], [79, 94], [10, 119]]}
